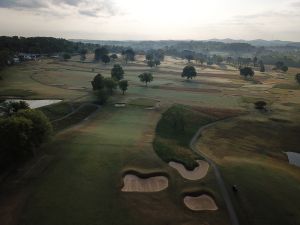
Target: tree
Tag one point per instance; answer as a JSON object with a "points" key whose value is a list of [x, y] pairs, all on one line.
{"points": [[129, 55], [117, 72], [123, 85], [100, 52], [146, 77], [189, 72], [262, 67], [110, 84], [189, 57], [83, 53], [255, 61], [114, 57], [15, 137], [285, 68], [151, 63], [149, 57], [10, 108], [247, 72], [260, 105], [98, 82], [41, 126], [102, 96], [157, 62], [279, 65], [105, 59], [66, 56], [297, 77], [4, 57], [23, 132]]}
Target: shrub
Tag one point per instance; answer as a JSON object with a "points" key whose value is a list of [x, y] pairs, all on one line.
{"points": [[23, 132], [260, 105]]}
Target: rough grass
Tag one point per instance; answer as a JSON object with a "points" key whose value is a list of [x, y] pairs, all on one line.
{"points": [[75, 118], [143, 102], [56, 111], [249, 150], [16, 93], [174, 132]]}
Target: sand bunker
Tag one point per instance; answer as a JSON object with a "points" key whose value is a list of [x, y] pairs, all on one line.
{"points": [[202, 202], [133, 183], [196, 174]]}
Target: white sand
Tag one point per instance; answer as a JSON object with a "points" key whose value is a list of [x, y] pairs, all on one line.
{"points": [[202, 202], [133, 183], [197, 174]]}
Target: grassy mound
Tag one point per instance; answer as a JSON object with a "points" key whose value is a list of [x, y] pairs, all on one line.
{"points": [[56, 111], [75, 118], [174, 132]]}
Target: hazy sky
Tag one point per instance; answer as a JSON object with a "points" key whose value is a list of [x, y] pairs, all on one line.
{"points": [[152, 19]]}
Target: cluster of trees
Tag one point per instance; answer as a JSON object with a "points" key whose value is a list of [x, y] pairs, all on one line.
{"points": [[102, 54], [154, 57], [247, 72], [39, 45], [104, 87], [281, 66], [22, 131]]}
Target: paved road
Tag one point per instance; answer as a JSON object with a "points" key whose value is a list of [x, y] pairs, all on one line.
{"points": [[232, 214]]}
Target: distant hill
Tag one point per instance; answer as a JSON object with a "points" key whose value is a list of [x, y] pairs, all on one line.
{"points": [[260, 42]]}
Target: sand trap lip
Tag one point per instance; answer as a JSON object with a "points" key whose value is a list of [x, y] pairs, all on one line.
{"points": [[196, 174], [133, 183], [200, 203]]}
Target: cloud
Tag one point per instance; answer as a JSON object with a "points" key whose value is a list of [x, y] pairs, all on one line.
{"points": [[92, 8], [295, 4]]}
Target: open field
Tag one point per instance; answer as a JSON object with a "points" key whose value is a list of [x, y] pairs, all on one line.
{"points": [[91, 157]]}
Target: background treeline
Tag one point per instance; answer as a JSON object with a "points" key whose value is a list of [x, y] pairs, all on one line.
{"points": [[268, 51]]}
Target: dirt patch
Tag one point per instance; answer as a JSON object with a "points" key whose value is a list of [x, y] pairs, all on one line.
{"points": [[133, 183], [198, 173], [200, 203]]}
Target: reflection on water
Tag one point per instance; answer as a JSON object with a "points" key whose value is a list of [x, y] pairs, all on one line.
{"points": [[294, 158], [33, 104]]}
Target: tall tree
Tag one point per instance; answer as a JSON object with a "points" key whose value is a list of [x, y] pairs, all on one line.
{"points": [[129, 55], [247, 72], [117, 72], [189, 72], [262, 67], [110, 84], [105, 59], [123, 85], [146, 77], [98, 82], [100, 52]]}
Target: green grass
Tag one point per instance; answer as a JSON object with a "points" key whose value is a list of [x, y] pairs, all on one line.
{"points": [[267, 195], [288, 86], [143, 102], [250, 152], [16, 93], [83, 184], [56, 111], [174, 132], [75, 118]]}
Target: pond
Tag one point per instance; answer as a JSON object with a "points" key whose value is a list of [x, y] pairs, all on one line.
{"points": [[33, 104], [294, 158]]}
